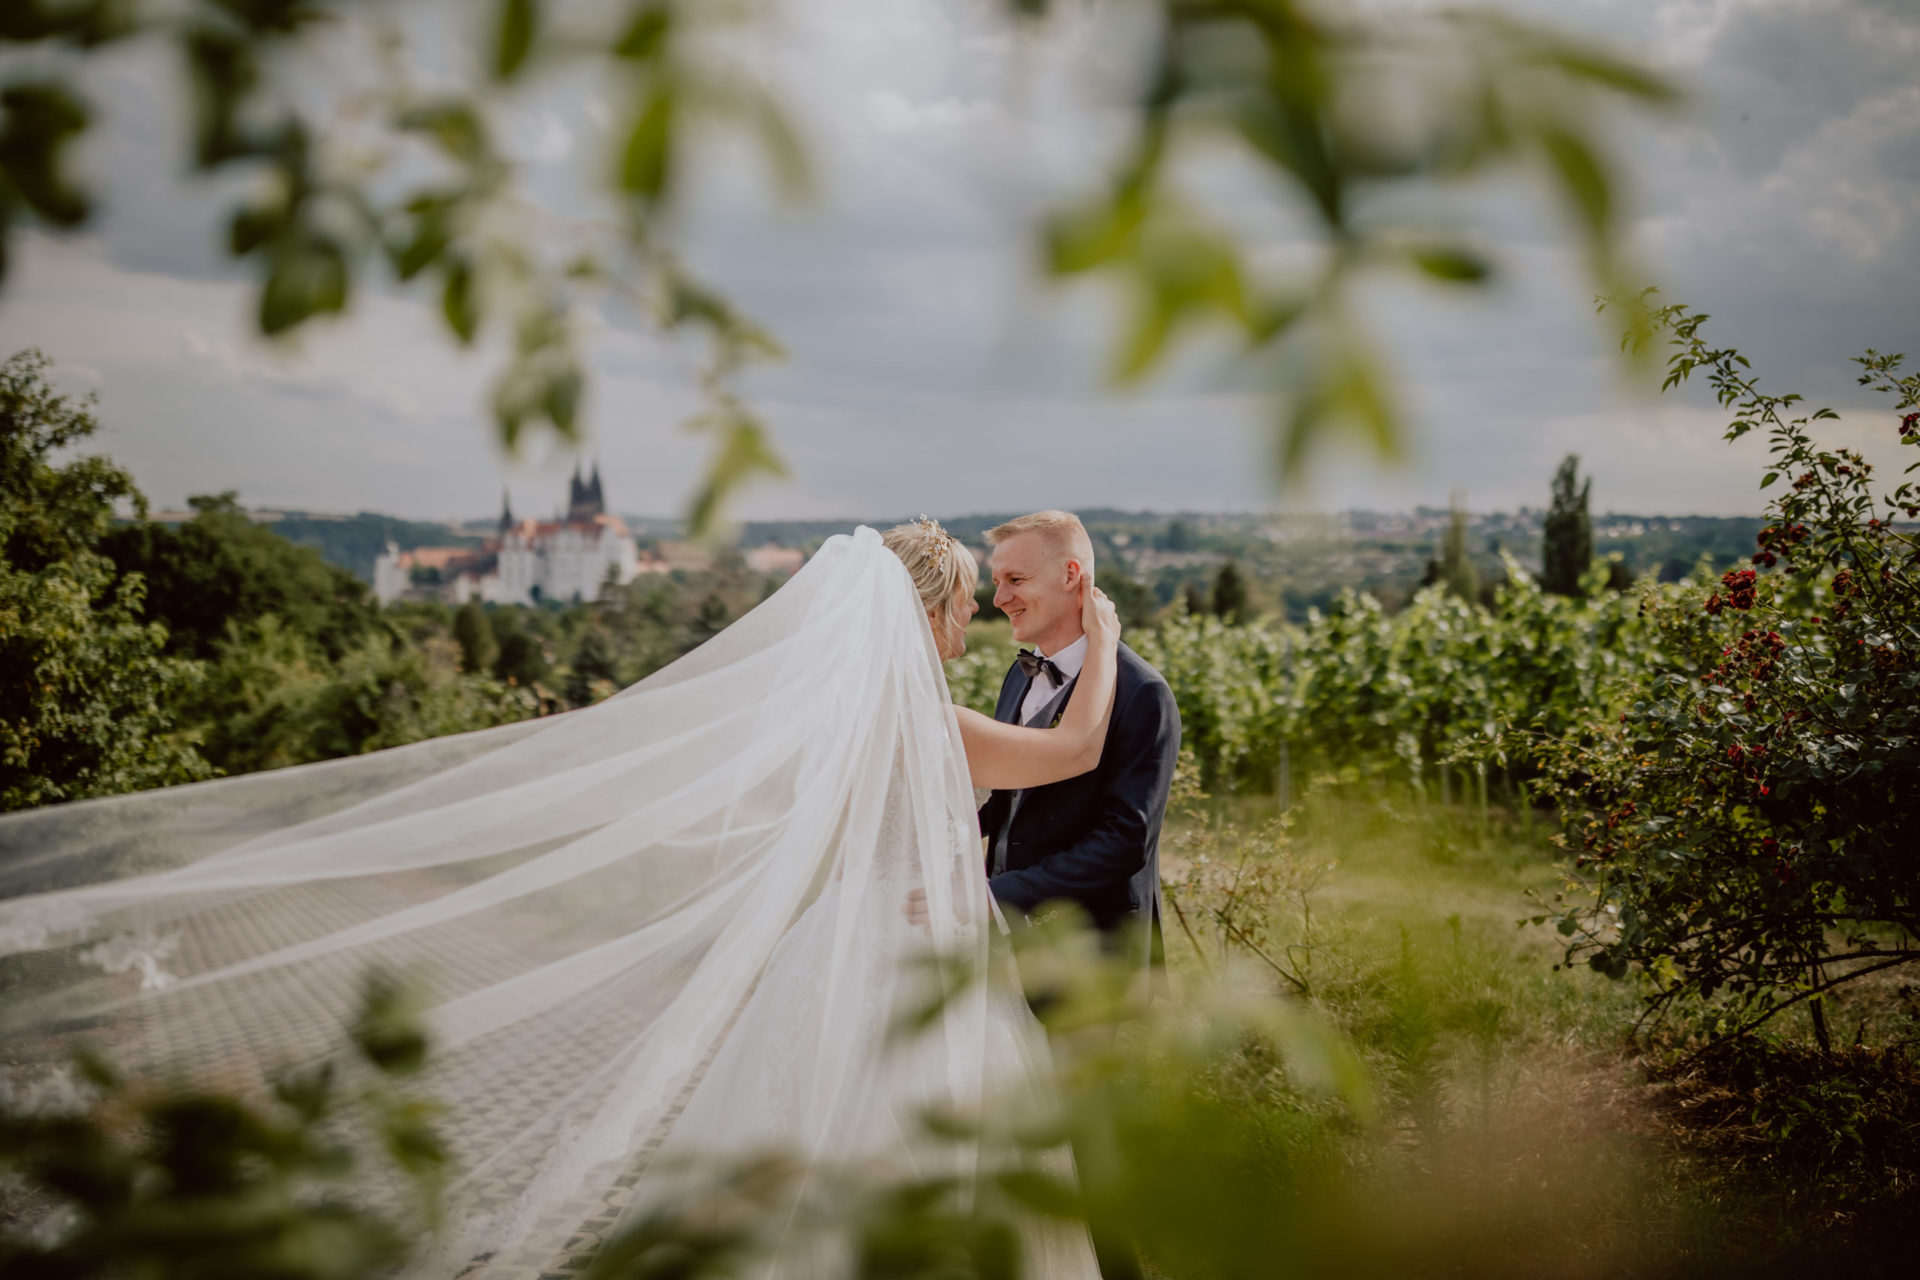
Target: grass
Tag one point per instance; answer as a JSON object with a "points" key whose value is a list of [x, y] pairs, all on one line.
{"points": [[1521, 1129]]}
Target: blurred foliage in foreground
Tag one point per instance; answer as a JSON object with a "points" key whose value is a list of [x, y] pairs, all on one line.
{"points": [[115, 1176], [1367, 124], [1442, 1102]]}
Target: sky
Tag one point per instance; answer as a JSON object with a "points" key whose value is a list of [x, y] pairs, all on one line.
{"points": [[928, 367]]}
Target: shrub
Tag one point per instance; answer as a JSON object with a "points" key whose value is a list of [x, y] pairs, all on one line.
{"points": [[1748, 825]]}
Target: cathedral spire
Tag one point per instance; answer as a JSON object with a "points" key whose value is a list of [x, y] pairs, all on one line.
{"points": [[506, 509], [583, 496]]}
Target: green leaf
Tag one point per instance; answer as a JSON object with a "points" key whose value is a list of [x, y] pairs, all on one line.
{"points": [[1350, 393], [455, 125], [389, 1032], [518, 21], [1144, 338], [1093, 235], [308, 277], [1583, 179], [562, 401], [427, 238], [1452, 264], [743, 454], [1596, 65], [253, 226], [646, 166], [785, 153], [646, 33], [39, 120], [457, 300], [1769, 478]]}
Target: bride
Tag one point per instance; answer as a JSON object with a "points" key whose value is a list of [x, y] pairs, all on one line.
{"points": [[667, 926]]}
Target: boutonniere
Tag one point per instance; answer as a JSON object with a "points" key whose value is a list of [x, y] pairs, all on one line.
{"points": [[1058, 716]]}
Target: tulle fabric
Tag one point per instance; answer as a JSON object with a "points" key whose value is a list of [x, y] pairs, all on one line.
{"points": [[669, 924]]}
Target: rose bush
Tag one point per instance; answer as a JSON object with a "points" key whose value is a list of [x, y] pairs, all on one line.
{"points": [[1748, 826]]}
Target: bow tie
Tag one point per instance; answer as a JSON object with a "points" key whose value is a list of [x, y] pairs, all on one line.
{"points": [[1035, 665]]}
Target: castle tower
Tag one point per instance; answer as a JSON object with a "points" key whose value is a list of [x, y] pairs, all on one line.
{"points": [[584, 500]]}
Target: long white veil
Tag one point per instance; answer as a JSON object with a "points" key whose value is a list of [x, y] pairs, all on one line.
{"points": [[595, 899]]}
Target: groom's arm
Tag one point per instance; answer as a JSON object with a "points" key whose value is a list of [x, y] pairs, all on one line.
{"points": [[1142, 753]]}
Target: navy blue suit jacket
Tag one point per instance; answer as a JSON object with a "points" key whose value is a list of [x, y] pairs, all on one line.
{"points": [[1095, 839]]}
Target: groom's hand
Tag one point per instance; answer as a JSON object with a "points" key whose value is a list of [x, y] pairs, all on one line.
{"points": [[915, 910]]}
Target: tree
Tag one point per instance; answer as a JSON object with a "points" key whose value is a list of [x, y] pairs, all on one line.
{"points": [[1132, 599], [474, 633], [51, 513], [1566, 550], [1196, 600], [709, 620], [1482, 94], [592, 674], [85, 685], [1456, 564], [223, 568], [85, 688], [522, 659], [1230, 602]]}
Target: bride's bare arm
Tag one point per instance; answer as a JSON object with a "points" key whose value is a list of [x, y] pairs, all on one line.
{"points": [[1006, 756]]}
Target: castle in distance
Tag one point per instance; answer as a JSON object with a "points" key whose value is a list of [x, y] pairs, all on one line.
{"points": [[566, 559]]}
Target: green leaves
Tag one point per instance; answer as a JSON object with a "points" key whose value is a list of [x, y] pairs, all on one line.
{"points": [[519, 19], [1453, 264], [742, 454], [388, 1033], [457, 301], [307, 275], [646, 162], [40, 120], [176, 1179], [1291, 89], [37, 123], [1583, 179], [1347, 390], [1745, 831], [455, 125], [1288, 86]]}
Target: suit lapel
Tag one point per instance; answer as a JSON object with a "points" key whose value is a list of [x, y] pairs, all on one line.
{"points": [[1012, 695]]}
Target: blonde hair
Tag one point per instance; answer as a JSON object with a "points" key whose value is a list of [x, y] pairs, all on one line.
{"points": [[1062, 528], [939, 564]]}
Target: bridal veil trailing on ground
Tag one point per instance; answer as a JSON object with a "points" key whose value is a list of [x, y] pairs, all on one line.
{"points": [[668, 923]]}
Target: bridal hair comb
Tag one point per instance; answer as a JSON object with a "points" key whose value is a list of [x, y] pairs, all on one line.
{"points": [[940, 542]]}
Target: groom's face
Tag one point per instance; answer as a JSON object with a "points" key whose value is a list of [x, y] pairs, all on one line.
{"points": [[1037, 585]]}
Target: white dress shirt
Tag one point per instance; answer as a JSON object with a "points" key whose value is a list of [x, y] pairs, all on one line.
{"points": [[1043, 688]]}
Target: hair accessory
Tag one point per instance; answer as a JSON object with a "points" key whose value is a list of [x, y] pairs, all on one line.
{"points": [[941, 542]]}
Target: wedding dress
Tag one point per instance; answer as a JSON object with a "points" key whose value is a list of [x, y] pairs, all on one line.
{"points": [[666, 926]]}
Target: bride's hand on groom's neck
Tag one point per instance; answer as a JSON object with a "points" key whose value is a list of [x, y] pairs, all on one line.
{"points": [[1098, 617]]}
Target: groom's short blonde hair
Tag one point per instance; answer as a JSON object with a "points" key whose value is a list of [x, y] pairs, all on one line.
{"points": [[1062, 528]]}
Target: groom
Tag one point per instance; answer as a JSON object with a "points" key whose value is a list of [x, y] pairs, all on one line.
{"points": [[1092, 840]]}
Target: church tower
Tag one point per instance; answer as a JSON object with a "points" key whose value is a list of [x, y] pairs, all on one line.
{"points": [[584, 499]]}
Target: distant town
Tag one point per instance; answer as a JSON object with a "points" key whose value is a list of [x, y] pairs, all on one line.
{"points": [[1300, 561]]}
